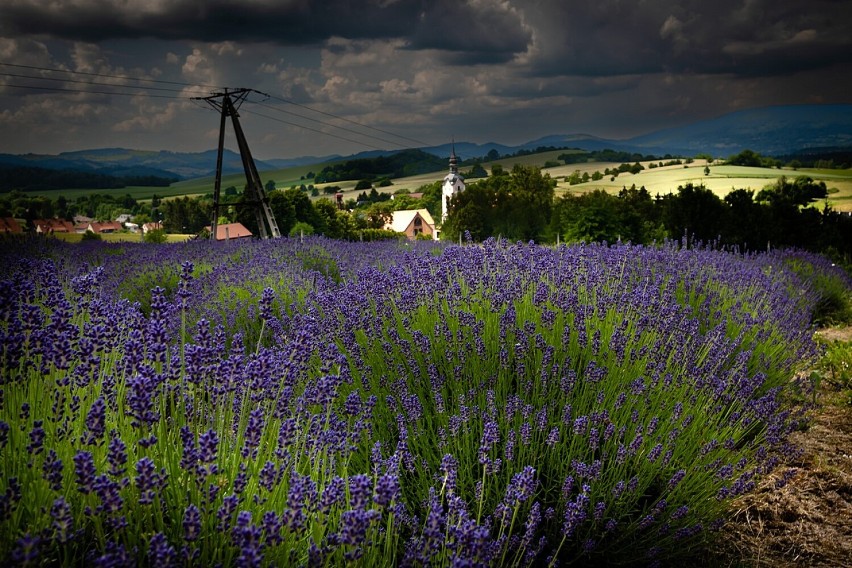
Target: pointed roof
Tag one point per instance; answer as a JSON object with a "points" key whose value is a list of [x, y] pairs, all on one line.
{"points": [[10, 225], [454, 162], [402, 219], [231, 231]]}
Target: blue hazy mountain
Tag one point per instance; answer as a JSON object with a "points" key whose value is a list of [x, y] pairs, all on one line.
{"points": [[771, 131]]}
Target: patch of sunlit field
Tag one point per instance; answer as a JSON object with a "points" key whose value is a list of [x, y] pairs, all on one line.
{"points": [[116, 237], [721, 180]]}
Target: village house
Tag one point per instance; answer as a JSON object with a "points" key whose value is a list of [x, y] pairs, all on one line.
{"points": [[104, 227], [48, 226], [413, 222], [151, 226], [231, 231], [10, 225]]}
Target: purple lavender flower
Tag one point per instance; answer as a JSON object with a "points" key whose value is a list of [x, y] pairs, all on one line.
{"points": [[191, 523], [109, 493], [575, 512], [27, 550], [148, 481], [333, 494], [37, 435], [387, 489], [160, 552], [116, 455], [360, 491], [490, 436], [226, 511], [247, 537], [84, 467], [52, 470], [95, 423], [269, 476], [676, 478], [208, 446], [521, 487], [254, 431], [62, 521]]}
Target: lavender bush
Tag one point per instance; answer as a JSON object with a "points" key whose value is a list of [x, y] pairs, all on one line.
{"points": [[324, 403]]}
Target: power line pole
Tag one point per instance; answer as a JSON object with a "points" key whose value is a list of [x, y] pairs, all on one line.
{"points": [[255, 195]]}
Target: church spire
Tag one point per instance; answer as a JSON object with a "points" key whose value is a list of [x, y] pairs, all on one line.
{"points": [[453, 183]]}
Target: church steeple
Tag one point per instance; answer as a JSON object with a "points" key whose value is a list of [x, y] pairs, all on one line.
{"points": [[454, 162], [453, 183]]}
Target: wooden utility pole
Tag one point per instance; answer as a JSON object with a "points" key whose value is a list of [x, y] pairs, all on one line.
{"points": [[255, 195]]}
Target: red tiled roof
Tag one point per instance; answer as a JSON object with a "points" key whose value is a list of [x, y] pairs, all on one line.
{"points": [[231, 231], [53, 226], [10, 225], [106, 226]]}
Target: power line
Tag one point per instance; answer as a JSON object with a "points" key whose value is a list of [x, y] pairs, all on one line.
{"points": [[198, 86], [419, 142], [327, 124], [67, 80], [311, 129], [140, 79], [92, 92]]}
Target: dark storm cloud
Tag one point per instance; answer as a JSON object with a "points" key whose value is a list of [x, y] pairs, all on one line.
{"points": [[740, 37], [483, 29]]}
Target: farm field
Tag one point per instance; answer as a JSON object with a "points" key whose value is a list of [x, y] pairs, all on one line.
{"points": [[721, 180], [662, 180], [117, 237], [312, 401]]}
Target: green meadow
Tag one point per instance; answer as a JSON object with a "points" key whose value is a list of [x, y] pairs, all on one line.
{"points": [[660, 180]]}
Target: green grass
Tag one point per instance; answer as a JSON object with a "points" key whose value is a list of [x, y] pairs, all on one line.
{"points": [[721, 180], [660, 180], [117, 237]]}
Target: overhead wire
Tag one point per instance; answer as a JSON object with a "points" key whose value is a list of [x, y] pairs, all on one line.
{"points": [[288, 101], [146, 88], [309, 128], [78, 81], [107, 75], [394, 143], [89, 91]]}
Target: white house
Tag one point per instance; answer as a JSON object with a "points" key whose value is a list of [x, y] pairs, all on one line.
{"points": [[413, 222]]}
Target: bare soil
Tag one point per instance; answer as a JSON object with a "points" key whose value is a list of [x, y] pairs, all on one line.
{"points": [[809, 521]]}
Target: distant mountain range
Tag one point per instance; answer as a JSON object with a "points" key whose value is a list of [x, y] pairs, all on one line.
{"points": [[771, 131]]}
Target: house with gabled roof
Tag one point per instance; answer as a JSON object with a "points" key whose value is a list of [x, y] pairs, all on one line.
{"points": [[10, 225], [151, 226], [231, 231], [413, 222], [47, 226], [105, 227]]}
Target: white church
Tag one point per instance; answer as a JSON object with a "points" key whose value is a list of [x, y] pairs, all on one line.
{"points": [[453, 184]]}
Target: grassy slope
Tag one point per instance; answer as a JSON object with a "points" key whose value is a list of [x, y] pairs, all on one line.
{"points": [[722, 179]]}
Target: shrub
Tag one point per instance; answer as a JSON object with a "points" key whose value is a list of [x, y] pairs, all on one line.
{"points": [[156, 236]]}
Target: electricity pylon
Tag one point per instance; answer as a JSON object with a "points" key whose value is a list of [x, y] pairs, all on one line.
{"points": [[255, 195]]}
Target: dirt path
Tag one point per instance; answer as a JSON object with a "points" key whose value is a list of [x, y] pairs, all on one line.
{"points": [[808, 522]]}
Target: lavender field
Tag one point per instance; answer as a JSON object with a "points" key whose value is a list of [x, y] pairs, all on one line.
{"points": [[322, 403]]}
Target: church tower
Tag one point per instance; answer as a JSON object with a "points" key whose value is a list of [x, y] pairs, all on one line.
{"points": [[453, 183]]}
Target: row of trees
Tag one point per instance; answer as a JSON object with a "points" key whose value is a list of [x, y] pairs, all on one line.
{"points": [[520, 206], [98, 206]]}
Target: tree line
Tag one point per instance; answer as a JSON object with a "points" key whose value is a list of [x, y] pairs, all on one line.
{"points": [[521, 206], [27, 178]]}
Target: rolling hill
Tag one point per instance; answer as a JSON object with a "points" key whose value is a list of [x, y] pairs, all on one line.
{"points": [[771, 131]]}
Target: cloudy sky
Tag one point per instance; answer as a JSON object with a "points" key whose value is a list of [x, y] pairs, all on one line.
{"points": [[343, 76]]}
